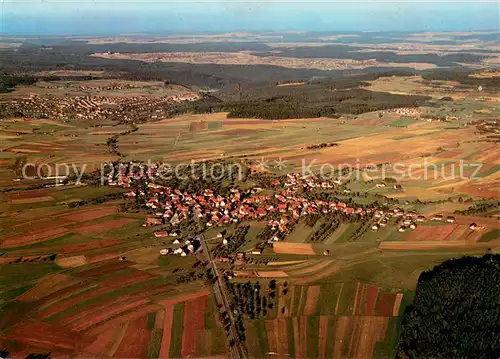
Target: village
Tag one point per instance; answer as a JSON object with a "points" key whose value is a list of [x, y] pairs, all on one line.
{"points": [[407, 111], [199, 185], [281, 210], [94, 108], [483, 126]]}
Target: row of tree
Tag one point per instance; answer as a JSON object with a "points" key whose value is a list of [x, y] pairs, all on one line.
{"points": [[234, 241], [479, 208]]}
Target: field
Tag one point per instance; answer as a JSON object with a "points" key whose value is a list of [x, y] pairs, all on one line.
{"points": [[130, 307], [427, 156], [424, 152], [342, 319], [60, 267], [81, 276], [249, 59], [101, 87], [112, 309]]}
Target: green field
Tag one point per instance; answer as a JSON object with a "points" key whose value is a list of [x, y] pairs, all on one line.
{"points": [[176, 339], [402, 122], [490, 235]]}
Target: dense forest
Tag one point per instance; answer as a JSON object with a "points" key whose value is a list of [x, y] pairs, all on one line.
{"points": [[332, 51], [330, 97], [464, 77], [312, 101], [9, 82], [30, 59], [48, 54], [244, 90], [456, 313]]}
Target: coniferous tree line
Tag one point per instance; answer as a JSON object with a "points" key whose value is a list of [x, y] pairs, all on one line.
{"points": [[456, 312]]}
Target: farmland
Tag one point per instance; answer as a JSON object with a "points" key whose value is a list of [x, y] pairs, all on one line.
{"points": [[335, 319], [401, 173], [109, 284]]}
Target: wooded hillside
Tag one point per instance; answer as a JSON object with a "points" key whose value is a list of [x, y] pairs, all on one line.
{"points": [[456, 313]]}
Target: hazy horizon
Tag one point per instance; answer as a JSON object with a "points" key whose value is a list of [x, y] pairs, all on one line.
{"points": [[117, 17]]}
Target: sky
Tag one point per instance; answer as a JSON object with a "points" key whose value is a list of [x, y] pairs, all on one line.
{"points": [[110, 17]]}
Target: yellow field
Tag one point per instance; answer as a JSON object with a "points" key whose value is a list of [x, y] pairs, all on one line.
{"points": [[293, 248]]}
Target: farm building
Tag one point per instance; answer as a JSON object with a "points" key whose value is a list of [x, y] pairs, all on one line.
{"points": [[161, 234], [152, 222], [257, 250]]}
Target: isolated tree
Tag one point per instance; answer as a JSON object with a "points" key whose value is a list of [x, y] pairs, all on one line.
{"points": [[272, 284]]}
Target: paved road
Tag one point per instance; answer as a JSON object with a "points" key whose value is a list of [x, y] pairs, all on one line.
{"points": [[236, 351]]}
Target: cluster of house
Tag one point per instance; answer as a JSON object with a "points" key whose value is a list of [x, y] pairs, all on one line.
{"points": [[384, 185], [451, 219], [111, 86], [406, 111], [487, 126], [186, 247], [174, 206], [409, 219], [95, 107], [440, 217], [294, 181], [281, 209]]}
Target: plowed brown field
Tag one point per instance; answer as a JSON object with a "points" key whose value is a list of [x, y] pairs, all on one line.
{"points": [[371, 299], [48, 336], [194, 314], [34, 237], [367, 331], [322, 335], [47, 286], [385, 304], [92, 228], [168, 306], [89, 215], [90, 245], [134, 343], [312, 298]]}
